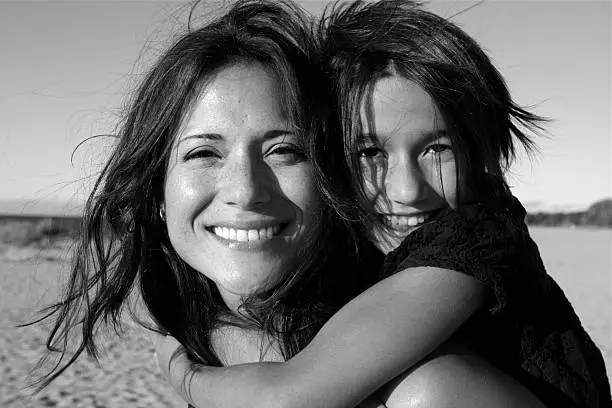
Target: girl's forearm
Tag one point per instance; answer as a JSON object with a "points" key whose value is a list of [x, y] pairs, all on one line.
{"points": [[377, 336], [243, 385]]}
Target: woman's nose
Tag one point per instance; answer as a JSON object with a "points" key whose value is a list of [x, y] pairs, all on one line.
{"points": [[244, 181], [405, 184]]}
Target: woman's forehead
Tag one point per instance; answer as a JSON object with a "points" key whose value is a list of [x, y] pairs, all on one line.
{"points": [[240, 98]]}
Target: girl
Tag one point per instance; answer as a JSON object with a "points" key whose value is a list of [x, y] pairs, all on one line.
{"points": [[429, 129]]}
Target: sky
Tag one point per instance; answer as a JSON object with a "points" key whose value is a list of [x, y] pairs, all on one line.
{"points": [[67, 67]]}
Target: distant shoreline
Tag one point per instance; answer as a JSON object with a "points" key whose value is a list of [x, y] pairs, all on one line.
{"points": [[597, 215]]}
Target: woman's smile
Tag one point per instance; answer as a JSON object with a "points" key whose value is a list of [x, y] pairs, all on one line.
{"points": [[255, 235], [240, 198], [246, 235]]}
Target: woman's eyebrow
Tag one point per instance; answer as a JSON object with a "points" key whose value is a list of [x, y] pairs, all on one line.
{"points": [[207, 136], [271, 134]]}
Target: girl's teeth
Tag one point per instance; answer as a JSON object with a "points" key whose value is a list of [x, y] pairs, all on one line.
{"points": [[404, 221], [241, 235]]}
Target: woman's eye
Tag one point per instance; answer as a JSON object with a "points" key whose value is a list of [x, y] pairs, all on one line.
{"points": [[287, 153], [203, 154]]}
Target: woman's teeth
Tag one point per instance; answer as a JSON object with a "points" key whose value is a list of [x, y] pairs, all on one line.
{"points": [[242, 235]]}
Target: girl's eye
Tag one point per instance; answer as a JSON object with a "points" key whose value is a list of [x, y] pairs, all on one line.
{"points": [[438, 148], [286, 153], [370, 153]]}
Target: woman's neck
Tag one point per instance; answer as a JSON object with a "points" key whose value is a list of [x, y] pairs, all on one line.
{"points": [[237, 345]]}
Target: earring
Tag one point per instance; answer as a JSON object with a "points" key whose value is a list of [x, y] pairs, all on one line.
{"points": [[162, 214]]}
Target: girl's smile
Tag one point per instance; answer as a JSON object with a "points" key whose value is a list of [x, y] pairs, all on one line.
{"points": [[407, 160], [401, 222]]}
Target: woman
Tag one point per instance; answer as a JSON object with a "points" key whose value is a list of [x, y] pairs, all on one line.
{"points": [[207, 207]]}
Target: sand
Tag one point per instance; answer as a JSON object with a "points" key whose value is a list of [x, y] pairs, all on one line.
{"points": [[580, 260], [126, 377]]}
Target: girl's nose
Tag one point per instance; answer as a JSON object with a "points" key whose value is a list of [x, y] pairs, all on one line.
{"points": [[405, 184]]}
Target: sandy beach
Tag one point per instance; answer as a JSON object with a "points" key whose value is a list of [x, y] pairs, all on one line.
{"points": [[126, 377], [579, 259]]}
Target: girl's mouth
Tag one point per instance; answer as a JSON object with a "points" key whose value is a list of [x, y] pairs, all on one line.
{"points": [[400, 221], [407, 223]]}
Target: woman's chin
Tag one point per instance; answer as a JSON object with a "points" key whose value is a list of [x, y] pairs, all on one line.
{"points": [[235, 293]]}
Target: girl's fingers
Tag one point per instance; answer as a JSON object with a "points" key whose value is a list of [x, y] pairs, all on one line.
{"points": [[173, 366], [371, 402], [165, 348], [165, 345]]}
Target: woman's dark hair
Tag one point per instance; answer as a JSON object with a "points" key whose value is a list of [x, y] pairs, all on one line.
{"points": [[366, 41], [123, 248]]}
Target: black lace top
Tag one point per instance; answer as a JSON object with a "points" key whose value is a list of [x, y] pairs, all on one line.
{"points": [[529, 328]]}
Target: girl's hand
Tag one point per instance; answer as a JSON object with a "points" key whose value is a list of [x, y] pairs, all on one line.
{"points": [[174, 366], [175, 369], [372, 402]]}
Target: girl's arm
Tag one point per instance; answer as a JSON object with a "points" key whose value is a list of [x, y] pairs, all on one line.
{"points": [[373, 339]]}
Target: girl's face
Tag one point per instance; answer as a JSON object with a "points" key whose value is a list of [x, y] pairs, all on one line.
{"points": [[239, 194], [407, 161]]}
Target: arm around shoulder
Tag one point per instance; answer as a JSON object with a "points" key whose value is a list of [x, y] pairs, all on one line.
{"points": [[382, 333], [374, 338]]}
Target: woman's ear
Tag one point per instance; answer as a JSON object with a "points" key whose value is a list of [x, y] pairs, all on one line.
{"points": [[162, 212]]}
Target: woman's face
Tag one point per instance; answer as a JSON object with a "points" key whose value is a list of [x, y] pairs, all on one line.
{"points": [[407, 161], [239, 194]]}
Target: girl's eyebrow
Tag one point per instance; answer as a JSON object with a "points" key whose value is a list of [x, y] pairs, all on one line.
{"points": [[365, 137], [436, 134], [428, 136]]}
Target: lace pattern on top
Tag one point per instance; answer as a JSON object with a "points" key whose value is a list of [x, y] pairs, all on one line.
{"points": [[538, 332]]}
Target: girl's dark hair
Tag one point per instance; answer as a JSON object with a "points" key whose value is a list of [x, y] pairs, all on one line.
{"points": [[124, 249], [366, 41]]}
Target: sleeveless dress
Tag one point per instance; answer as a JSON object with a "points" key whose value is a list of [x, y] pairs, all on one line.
{"points": [[528, 328]]}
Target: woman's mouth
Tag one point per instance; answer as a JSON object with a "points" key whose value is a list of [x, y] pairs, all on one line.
{"points": [[247, 235]]}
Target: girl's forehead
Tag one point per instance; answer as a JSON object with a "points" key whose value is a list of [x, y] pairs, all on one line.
{"points": [[399, 106]]}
